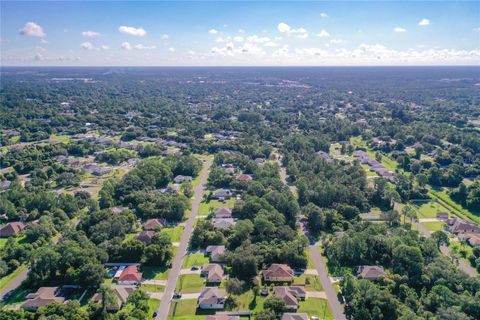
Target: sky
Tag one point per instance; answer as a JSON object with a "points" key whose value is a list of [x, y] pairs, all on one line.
{"points": [[230, 33]]}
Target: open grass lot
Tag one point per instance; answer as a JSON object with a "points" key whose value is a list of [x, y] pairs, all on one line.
{"points": [[462, 250], [175, 233], [6, 280], [311, 282], [156, 273], [433, 226], [386, 161], [152, 305], [369, 173], [429, 209], [247, 301], [190, 283], [205, 207], [444, 199], [194, 259], [316, 307], [186, 309], [61, 138], [152, 288]]}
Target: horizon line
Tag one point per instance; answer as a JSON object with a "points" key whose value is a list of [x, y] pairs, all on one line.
{"points": [[238, 66]]}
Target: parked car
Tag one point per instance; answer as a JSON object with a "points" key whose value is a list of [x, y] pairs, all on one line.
{"points": [[194, 268]]}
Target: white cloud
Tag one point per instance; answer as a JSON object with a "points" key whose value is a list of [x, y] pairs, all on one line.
{"points": [[323, 15], [270, 44], [90, 34], [285, 28], [476, 29], [323, 34], [87, 45], [424, 22], [126, 46], [238, 39], [32, 29], [104, 47], [219, 39], [399, 29], [165, 37], [241, 31], [256, 39], [336, 41], [138, 32], [213, 31], [171, 49]]}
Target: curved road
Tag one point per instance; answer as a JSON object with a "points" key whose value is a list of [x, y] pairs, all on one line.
{"points": [[162, 311]]}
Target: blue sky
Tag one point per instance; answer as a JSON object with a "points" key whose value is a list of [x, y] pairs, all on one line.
{"points": [[240, 33]]}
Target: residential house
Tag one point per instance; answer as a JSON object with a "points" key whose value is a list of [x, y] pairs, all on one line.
{"points": [[290, 295], [442, 215], [325, 156], [130, 276], [43, 296], [145, 236], [4, 185], [244, 177], [371, 272], [180, 179], [223, 223], [230, 171], [121, 293], [223, 213], [213, 272], [278, 273], [222, 194], [216, 253], [12, 229], [260, 160], [462, 226], [97, 170], [294, 316], [212, 298], [153, 225], [222, 317]]}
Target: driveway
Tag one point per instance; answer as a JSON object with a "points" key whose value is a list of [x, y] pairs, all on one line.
{"points": [[182, 249]]}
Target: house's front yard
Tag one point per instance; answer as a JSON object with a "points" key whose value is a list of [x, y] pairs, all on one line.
{"points": [[155, 273], [434, 225], [316, 307], [311, 282], [429, 210], [186, 309], [207, 208], [190, 283], [194, 259], [175, 233]]}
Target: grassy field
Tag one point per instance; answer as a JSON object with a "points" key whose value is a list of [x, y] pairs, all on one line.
{"points": [[152, 305], [156, 273], [152, 288], [433, 226], [311, 282], [463, 250], [61, 138], [186, 309], [429, 209], [190, 283], [175, 233], [3, 242], [206, 207], [316, 307], [247, 301], [310, 264], [6, 280], [444, 199], [194, 259]]}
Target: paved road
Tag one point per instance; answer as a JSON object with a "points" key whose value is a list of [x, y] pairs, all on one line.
{"points": [[15, 283], [162, 311], [331, 295]]}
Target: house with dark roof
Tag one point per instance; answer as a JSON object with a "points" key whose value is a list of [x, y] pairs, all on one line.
{"points": [[462, 226], [121, 294], [278, 273], [145, 236], [222, 194], [290, 295], [4, 185], [12, 229], [153, 225], [216, 253], [244, 177], [223, 223], [130, 276], [222, 317], [181, 179], [442, 215], [212, 298], [43, 296], [371, 272], [222, 213], [213, 272], [325, 156], [294, 316]]}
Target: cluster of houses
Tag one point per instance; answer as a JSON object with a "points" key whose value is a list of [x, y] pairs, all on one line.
{"points": [[464, 230], [375, 166], [222, 218]]}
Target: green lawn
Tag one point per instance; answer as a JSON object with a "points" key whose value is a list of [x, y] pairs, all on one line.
{"points": [[311, 282], [152, 288], [310, 264], [152, 306], [316, 307], [369, 173], [190, 283], [175, 233], [3, 242], [186, 309], [247, 301], [194, 259], [205, 207], [156, 273], [433, 226], [6, 280], [61, 138], [18, 296], [429, 209], [445, 200], [462, 250]]}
